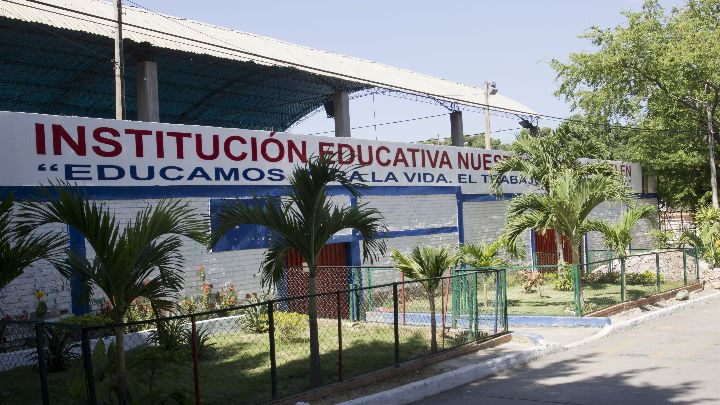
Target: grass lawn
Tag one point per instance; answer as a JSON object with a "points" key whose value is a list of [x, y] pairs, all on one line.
{"points": [[549, 301], [236, 371]]}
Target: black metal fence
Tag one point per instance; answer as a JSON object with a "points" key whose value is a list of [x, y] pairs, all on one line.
{"points": [[250, 353]]}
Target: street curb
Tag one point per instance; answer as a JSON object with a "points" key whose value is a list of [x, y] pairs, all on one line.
{"points": [[557, 321], [419, 390], [661, 313], [434, 385]]}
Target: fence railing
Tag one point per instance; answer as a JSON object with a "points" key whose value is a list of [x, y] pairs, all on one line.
{"points": [[251, 353], [604, 280]]}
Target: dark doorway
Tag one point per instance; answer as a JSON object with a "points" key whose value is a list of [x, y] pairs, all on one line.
{"points": [[546, 253], [333, 275]]}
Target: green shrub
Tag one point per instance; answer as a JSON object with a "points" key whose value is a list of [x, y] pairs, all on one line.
{"points": [[645, 278], [550, 277], [254, 319], [87, 320], [169, 334], [61, 346], [564, 281], [203, 343], [290, 326], [611, 277]]}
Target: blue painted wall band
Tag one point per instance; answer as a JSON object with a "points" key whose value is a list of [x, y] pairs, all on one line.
{"points": [[460, 220], [79, 290]]}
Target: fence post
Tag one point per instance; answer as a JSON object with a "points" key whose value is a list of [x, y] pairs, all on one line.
{"points": [[443, 302], [657, 270], [684, 267], [339, 330], [578, 294], [497, 298], [88, 367], [370, 304], [271, 336], [505, 303], [196, 365], [396, 330], [475, 306], [697, 264], [42, 365], [622, 279], [402, 278]]}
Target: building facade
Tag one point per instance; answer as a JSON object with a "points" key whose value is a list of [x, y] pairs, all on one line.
{"points": [[428, 195]]}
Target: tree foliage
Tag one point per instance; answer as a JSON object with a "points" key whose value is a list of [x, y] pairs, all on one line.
{"points": [[658, 70], [426, 264], [540, 158], [618, 236], [18, 250], [138, 259], [305, 221]]}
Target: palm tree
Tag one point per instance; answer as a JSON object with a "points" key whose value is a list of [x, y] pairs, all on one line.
{"points": [[305, 221], [426, 264], [565, 208], [540, 158], [617, 237], [706, 236], [19, 250], [140, 259], [485, 255]]}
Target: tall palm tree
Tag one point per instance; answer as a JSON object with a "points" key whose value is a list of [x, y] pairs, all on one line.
{"points": [[140, 259], [565, 208], [540, 158], [19, 250], [305, 221], [617, 237], [426, 264]]}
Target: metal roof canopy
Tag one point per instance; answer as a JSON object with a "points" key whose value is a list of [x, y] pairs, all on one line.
{"points": [[57, 59]]}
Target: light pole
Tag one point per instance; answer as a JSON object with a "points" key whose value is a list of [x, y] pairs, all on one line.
{"points": [[489, 88], [119, 65]]}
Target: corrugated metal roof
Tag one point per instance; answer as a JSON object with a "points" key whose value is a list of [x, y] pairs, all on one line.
{"points": [[163, 31]]}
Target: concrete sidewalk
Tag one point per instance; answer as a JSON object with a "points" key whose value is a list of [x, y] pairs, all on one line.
{"points": [[528, 344]]}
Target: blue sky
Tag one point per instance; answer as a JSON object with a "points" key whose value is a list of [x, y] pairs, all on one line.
{"points": [[509, 42]]}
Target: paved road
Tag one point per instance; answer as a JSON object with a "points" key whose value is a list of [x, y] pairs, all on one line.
{"points": [[671, 360]]}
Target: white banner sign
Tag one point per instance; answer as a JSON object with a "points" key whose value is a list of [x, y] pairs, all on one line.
{"points": [[102, 152]]}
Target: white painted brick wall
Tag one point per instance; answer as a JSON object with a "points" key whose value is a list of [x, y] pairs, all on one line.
{"points": [[611, 212], [415, 211], [19, 295], [641, 232], [484, 222], [221, 268]]}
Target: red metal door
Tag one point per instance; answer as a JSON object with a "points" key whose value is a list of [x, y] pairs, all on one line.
{"points": [[332, 276], [546, 250]]}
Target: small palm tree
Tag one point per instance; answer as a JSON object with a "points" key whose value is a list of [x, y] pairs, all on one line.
{"points": [[706, 236], [19, 250], [426, 264], [565, 208], [617, 237], [484, 255], [305, 221], [488, 255], [141, 259]]}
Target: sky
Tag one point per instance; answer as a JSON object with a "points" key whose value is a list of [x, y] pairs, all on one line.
{"points": [[509, 42]]}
